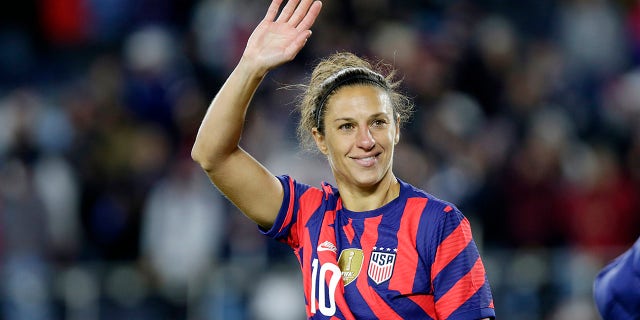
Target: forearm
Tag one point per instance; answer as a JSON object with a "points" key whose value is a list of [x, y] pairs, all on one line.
{"points": [[248, 184], [222, 125]]}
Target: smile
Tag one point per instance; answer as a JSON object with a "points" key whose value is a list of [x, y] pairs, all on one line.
{"points": [[366, 161]]}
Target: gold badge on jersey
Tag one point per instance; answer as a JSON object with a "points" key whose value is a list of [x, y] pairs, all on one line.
{"points": [[350, 263]]}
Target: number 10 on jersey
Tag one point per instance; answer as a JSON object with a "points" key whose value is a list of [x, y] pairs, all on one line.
{"points": [[319, 285]]}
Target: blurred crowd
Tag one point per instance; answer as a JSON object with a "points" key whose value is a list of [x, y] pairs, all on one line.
{"points": [[527, 118]]}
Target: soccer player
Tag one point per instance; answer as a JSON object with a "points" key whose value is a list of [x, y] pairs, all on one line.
{"points": [[617, 287], [373, 246]]}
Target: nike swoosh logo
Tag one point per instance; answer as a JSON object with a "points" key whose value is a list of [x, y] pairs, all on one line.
{"points": [[327, 246]]}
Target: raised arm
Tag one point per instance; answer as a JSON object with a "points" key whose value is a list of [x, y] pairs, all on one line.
{"points": [[248, 184]]}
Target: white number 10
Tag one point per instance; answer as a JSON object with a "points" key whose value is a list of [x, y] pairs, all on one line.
{"points": [[333, 283]]}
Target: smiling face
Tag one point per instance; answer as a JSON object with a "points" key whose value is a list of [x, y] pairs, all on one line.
{"points": [[359, 136]]}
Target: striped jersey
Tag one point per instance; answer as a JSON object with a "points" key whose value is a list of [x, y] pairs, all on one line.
{"points": [[413, 258]]}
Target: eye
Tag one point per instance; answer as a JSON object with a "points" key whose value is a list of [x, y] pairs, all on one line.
{"points": [[346, 126], [378, 123]]}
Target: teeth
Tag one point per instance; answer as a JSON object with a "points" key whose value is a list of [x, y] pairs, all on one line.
{"points": [[367, 162]]}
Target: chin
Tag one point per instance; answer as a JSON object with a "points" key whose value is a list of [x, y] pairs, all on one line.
{"points": [[368, 181]]}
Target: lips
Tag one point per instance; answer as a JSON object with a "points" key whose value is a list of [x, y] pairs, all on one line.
{"points": [[366, 161]]}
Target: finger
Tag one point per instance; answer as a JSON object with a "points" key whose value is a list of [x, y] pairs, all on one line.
{"points": [[287, 11], [300, 12], [296, 45], [272, 12], [311, 16]]}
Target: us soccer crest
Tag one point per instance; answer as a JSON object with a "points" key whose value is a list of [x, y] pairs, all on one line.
{"points": [[381, 264]]}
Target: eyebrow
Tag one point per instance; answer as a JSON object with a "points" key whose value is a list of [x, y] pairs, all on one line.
{"points": [[375, 115]]}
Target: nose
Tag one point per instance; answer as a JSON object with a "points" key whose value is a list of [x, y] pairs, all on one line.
{"points": [[364, 139]]}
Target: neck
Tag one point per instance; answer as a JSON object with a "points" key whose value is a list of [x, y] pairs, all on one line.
{"points": [[369, 198]]}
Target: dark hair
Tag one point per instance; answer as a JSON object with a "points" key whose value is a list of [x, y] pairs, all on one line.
{"points": [[339, 70]]}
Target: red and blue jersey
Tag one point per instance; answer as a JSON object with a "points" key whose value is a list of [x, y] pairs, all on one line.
{"points": [[413, 258]]}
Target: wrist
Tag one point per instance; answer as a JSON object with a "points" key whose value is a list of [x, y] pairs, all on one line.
{"points": [[251, 69]]}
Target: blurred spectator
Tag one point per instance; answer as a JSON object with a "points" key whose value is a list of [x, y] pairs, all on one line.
{"points": [[66, 22], [24, 291], [153, 75], [483, 73], [531, 183], [182, 228], [600, 203], [57, 184], [633, 26], [591, 36]]}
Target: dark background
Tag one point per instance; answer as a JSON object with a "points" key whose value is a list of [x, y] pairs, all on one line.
{"points": [[527, 119]]}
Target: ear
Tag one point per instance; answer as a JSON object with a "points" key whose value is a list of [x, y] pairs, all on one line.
{"points": [[320, 141]]}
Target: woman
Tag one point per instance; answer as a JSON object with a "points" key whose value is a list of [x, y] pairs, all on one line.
{"points": [[374, 247]]}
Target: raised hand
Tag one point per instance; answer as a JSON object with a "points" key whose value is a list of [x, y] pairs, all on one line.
{"points": [[278, 39]]}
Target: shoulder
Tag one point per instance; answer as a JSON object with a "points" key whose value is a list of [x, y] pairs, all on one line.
{"points": [[438, 218], [615, 287], [432, 204], [300, 202], [295, 191], [292, 185]]}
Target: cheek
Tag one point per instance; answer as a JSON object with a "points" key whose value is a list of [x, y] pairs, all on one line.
{"points": [[337, 145], [387, 137], [334, 147]]}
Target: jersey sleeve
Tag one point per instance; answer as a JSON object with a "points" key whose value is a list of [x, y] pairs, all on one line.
{"points": [[459, 281], [296, 196]]}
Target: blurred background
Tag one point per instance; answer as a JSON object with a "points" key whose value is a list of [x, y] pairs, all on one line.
{"points": [[528, 118]]}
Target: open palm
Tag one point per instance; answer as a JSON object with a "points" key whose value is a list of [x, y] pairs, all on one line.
{"points": [[279, 38]]}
